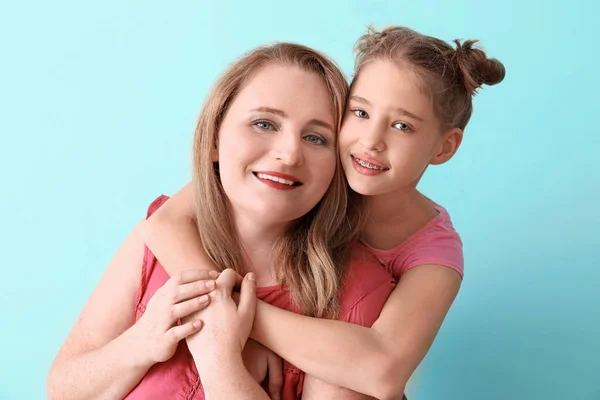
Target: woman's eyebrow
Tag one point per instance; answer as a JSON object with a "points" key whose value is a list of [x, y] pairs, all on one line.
{"points": [[271, 110], [281, 113], [321, 123]]}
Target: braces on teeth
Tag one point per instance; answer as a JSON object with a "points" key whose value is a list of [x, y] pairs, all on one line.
{"points": [[368, 165]]}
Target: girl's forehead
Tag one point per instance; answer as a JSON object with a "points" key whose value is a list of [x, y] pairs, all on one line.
{"points": [[388, 88], [388, 72]]}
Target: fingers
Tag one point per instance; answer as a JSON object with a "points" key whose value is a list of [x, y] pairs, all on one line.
{"points": [[238, 281], [194, 289], [236, 298], [247, 305], [180, 332], [226, 281], [193, 275], [185, 308], [275, 367]]}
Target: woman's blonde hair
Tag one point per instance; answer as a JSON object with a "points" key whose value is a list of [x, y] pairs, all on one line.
{"points": [[310, 256]]}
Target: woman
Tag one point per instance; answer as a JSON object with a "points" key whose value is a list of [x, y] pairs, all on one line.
{"points": [[128, 339]]}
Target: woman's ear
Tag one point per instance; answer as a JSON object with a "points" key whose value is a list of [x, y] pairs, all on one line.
{"points": [[214, 155], [449, 144]]}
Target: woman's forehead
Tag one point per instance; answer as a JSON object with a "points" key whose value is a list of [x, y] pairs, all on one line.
{"points": [[290, 89]]}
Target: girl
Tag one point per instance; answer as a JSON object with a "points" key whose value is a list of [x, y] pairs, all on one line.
{"points": [[409, 104], [264, 185]]}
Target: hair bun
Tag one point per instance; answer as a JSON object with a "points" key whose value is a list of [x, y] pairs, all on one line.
{"points": [[476, 68]]}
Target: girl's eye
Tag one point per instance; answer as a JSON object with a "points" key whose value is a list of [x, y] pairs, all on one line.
{"points": [[402, 127], [264, 125], [360, 113], [315, 139]]}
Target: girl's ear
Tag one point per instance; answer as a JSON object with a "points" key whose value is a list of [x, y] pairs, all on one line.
{"points": [[448, 146]]}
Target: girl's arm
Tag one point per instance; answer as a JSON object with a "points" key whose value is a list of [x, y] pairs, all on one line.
{"points": [[389, 351], [377, 361], [171, 234], [97, 360], [217, 349], [227, 378], [317, 389]]}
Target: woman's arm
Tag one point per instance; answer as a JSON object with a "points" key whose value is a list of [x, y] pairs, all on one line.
{"points": [[106, 354], [97, 360]]}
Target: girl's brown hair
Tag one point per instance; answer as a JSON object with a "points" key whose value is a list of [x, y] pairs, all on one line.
{"points": [[451, 76], [310, 256]]}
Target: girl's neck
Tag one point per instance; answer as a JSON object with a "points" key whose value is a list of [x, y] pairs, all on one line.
{"points": [[256, 241], [394, 217]]}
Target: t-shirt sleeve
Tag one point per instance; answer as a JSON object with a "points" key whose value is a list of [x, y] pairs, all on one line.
{"points": [[440, 246]]}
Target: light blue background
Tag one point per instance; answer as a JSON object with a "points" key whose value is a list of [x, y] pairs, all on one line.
{"points": [[97, 107]]}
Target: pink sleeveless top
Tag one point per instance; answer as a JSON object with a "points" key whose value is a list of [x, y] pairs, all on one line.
{"points": [[364, 292]]}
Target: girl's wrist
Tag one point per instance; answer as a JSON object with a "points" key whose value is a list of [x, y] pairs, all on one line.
{"points": [[216, 362]]}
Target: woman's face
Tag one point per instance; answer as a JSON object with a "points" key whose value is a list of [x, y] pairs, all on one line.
{"points": [[390, 132], [277, 145]]}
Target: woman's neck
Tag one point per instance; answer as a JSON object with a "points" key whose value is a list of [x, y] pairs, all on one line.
{"points": [[257, 240], [394, 217]]}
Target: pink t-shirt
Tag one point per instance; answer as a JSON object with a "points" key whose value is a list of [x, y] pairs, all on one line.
{"points": [[364, 291], [435, 243]]}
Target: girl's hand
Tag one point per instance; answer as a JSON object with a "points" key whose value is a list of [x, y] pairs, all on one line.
{"points": [[158, 331], [226, 325], [262, 362]]}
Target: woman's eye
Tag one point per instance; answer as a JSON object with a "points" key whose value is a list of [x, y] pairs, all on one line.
{"points": [[360, 113], [264, 125], [402, 127], [315, 139]]}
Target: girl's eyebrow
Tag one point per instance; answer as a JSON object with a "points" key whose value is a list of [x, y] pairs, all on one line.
{"points": [[360, 99], [400, 110]]}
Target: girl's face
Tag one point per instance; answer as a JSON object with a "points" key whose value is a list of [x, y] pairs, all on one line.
{"points": [[390, 133], [277, 145]]}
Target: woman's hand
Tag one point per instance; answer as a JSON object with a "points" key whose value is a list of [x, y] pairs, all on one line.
{"points": [[262, 362], [226, 325], [157, 331]]}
